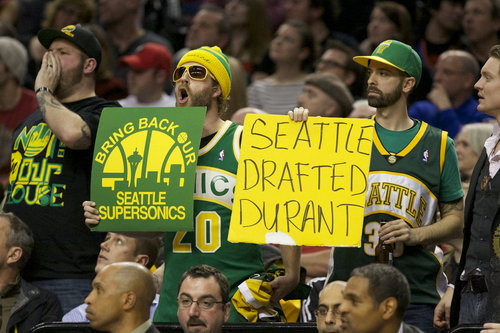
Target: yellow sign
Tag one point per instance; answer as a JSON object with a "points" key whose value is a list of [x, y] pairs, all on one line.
{"points": [[301, 183]]}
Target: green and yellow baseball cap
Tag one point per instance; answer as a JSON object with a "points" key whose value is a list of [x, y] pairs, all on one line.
{"points": [[396, 54]]}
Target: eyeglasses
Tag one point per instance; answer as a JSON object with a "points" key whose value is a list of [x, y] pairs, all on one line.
{"points": [[204, 303], [196, 72], [322, 312]]}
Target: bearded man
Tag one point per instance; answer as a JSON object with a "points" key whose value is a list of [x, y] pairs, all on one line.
{"points": [[51, 163]]}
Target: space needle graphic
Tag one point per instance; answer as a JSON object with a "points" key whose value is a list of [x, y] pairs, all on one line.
{"points": [[134, 161]]}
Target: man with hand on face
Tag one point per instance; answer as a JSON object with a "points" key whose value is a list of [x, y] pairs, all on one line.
{"points": [[51, 163], [203, 78], [120, 248], [120, 299], [203, 300]]}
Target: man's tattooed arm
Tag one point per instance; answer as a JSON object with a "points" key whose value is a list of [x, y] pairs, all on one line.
{"points": [[68, 126]]}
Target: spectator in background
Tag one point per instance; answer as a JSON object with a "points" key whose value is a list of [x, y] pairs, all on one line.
{"points": [[320, 16], [9, 11], [239, 80], [469, 143], [121, 298], [328, 314], [57, 15], [149, 70], [60, 13], [250, 32], [391, 20], [122, 21], [325, 95], [203, 300], [107, 85], [388, 20], [59, 135], [337, 59], [208, 28], [23, 304], [481, 24], [120, 248], [293, 50], [451, 104], [440, 31], [375, 300], [16, 102]]}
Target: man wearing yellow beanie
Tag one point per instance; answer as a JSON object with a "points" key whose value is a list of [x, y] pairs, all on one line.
{"points": [[203, 78]]}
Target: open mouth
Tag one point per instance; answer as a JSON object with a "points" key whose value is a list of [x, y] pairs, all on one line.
{"points": [[183, 95]]}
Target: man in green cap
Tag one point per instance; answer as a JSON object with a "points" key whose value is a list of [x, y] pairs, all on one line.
{"points": [[413, 173]]}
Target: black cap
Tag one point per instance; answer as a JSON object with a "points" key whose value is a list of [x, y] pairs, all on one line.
{"points": [[77, 35]]}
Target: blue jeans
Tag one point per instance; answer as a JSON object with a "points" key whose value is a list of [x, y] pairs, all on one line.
{"points": [[474, 308], [70, 292], [421, 316]]}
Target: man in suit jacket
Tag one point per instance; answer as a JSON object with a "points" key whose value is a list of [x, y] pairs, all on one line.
{"points": [[120, 299], [476, 293]]}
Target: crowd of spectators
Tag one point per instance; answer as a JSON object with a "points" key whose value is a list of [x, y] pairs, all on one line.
{"points": [[281, 53]]}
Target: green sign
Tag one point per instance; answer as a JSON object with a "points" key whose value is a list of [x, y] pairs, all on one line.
{"points": [[144, 168]]}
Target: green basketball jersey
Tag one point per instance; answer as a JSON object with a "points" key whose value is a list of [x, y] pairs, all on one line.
{"points": [[404, 186], [207, 244]]}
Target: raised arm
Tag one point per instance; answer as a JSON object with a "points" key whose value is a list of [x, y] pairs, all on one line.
{"points": [[68, 126]]}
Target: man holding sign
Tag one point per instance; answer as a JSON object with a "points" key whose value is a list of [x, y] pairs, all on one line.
{"points": [[413, 172], [203, 78]]}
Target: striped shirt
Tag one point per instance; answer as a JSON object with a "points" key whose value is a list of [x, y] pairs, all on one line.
{"points": [[274, 98]]}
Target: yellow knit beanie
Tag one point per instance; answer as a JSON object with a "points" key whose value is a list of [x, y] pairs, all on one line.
{"points": [[215, 61]]}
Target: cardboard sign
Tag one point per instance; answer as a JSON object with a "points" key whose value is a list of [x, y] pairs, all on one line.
{"points": [[302, 183], [144, 168]]}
